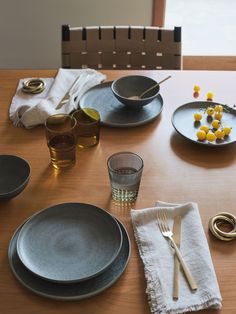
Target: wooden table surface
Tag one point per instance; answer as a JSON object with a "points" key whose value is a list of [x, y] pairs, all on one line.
{"points": [[175, 170]]}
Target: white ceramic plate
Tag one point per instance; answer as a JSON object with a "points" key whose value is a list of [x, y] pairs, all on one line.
{"points": [[69, 242]]}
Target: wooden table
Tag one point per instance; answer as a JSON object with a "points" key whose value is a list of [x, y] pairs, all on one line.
{"points": [[175, 171]]}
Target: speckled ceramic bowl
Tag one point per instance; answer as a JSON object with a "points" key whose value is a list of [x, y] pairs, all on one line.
{"points": [[126, 87], [14, 176]]}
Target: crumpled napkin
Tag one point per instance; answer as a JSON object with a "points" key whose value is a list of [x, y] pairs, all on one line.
{"points": [[29, 110], [158, 259]]}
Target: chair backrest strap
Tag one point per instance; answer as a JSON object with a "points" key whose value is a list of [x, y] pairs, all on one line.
{"points": [[121, 47]]}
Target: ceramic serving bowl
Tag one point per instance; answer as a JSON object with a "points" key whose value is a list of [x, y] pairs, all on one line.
{"points": [[127, 88], [14, 176]]}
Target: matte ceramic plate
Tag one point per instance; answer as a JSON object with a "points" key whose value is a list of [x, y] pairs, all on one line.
{"points": [[69, 242], [115, 114], [70, 291], [14, 175], [183, 122]]}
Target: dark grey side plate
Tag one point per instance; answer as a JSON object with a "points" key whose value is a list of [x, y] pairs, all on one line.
{"points": [[184, 124], [72, 291], [115, 114], [69, 242]]}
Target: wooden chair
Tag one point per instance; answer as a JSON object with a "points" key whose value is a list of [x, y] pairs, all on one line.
{"points": [[121, 47]]}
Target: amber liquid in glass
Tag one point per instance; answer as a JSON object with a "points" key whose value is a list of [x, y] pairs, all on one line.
{"points": [[62, 150]]}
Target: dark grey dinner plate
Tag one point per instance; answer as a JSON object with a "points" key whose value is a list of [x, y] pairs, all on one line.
{"points": [[69, 242], [115, 114], [70, 291], [184, 124], [14, 175]]}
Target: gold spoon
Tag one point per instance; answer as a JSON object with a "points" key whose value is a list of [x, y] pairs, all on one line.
{"points": [[148, 90]]}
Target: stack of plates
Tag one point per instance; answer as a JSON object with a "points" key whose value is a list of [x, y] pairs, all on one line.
{"points": [[115, 114], [69, 251]]}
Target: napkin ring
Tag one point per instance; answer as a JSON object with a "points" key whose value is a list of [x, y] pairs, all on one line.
{"points": [[33, 86], [221, 219]]}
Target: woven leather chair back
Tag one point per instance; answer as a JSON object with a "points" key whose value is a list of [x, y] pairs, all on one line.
{"points": [[121, 47]]}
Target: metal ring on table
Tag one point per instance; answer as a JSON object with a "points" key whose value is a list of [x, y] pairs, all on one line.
{"points": [[33, 86], [220, 219]]}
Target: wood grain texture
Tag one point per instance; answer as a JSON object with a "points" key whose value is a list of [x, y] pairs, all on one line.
{"points": [[158, 12], [216, 63], [175, 170]]}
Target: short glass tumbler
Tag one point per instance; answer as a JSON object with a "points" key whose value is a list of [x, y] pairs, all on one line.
{"points": [[88, 127], [125, 172], [61, 139]]}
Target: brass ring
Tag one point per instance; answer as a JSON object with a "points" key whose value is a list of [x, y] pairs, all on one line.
{"points": [[219, 219], [33, 86]]}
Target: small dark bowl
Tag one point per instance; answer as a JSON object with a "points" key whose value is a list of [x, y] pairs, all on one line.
{"points": [[134, 85], [14, 176]]}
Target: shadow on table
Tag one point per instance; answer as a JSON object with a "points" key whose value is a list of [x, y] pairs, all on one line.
{"points": [[225, 247], [203, 156]]}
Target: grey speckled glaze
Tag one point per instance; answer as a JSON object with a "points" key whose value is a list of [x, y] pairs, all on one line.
{"points": [[115, 114], [125, 87], [70, 291], [69, 242], [14, 176], [184, 124]]}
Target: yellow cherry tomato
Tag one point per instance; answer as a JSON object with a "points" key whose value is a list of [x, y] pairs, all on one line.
{"points": [[215, 124], [227, 130], [210, 95], [218, 108], [198, 116], [201, 135], [218, 115], [211, 137], [219, 134], [210, 111], [204, 128], [196, 88]]}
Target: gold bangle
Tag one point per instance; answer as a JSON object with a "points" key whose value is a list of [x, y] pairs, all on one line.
{"points": [[33, 86], [220, 219]]}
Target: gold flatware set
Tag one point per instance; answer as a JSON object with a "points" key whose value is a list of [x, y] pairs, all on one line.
{"points": [[67, 95], [174, 239], [177, 239]]}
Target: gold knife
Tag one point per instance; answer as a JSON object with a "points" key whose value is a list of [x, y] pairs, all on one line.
{"points": [[177, 238]]}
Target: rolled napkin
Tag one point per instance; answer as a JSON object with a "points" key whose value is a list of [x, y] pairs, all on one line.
{"points": [[158, 259], [30, 110]]}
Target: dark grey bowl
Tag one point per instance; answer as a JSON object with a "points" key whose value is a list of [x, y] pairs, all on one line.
{"points": [[14, 176], [134, 85]]}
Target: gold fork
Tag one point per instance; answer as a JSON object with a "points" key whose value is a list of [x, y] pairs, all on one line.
{"points": [[166, 232]]}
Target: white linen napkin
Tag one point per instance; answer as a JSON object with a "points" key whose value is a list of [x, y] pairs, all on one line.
{"points": [[31, 110], [158, 259]]}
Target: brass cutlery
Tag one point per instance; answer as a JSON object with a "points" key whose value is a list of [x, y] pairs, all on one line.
{"points": [[167, 233], [177, 239], [67, 95]]}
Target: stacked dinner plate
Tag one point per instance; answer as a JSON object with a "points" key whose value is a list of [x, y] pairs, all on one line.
{"points": [[69, 251], [114, 113]]}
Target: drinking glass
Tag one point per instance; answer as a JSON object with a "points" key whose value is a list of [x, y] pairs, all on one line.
{"points": [[88, 127], [125, 172], [61, 139]]}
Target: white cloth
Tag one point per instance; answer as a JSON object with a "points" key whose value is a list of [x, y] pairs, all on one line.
{"points": [[31, 110], [158, 259]]}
